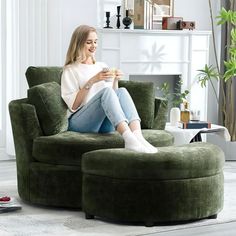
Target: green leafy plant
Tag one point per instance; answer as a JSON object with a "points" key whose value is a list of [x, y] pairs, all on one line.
{"points": [[177, 97], [210, 73]]}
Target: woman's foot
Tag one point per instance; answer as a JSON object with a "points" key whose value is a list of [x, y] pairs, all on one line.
{"points": [[144, 142], [132, 143]]}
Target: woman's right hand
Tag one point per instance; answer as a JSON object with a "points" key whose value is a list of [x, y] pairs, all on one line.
{"points": [[103, 75]]}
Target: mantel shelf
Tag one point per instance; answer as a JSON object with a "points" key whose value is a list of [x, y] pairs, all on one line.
{"points": [[161, 32]]}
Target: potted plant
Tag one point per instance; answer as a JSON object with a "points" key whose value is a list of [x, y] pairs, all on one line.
{"points": [[176, 98], [226, 76]]}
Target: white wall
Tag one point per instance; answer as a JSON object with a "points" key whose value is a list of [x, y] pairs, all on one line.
{"points": [[198, 11], [45, 30], [194, 10]]}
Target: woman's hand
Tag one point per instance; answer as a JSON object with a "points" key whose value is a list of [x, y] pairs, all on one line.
{"points": [[105, 74], [118, 74]]}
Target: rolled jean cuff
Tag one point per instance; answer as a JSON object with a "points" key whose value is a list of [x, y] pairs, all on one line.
{"points": [[119, 121], [134, 120]]}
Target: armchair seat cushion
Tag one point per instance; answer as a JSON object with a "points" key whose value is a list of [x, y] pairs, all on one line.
{"points": [[66, 148]]}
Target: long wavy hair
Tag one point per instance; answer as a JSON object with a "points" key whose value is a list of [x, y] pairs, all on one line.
{"points": [[75, 51]]}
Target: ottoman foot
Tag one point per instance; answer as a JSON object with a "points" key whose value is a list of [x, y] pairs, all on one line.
{"points": [[88, 216], [213, 216], [149, 224]]}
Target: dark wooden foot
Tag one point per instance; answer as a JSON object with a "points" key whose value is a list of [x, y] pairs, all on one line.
{"points": [[149, 224], [213, 216], [88, 216]]}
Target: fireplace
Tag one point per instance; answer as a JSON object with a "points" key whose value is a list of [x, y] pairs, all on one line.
{"points": [[157, 55]]}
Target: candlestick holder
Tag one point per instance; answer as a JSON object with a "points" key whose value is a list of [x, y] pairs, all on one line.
{"points": [[108, 20], [118, 17]]}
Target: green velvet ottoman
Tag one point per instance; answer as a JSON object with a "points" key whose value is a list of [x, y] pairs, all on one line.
{"points": [[179, 183]]}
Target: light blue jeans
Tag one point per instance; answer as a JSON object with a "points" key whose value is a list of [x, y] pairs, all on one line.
{"points": [[104, 112]]}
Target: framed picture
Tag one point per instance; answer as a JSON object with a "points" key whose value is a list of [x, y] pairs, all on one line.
{"points": [[142, 14], [147, 14], [162, 8]]}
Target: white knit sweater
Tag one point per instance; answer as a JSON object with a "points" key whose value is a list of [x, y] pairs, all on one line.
{"points": [[75, 76]]}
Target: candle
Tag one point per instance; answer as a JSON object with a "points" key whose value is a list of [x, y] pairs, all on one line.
{"points": [[107, 14]]}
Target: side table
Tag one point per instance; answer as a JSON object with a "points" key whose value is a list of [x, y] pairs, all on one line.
{"points": [[184, 136]]}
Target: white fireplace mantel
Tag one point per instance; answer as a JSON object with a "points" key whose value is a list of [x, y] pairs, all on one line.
{"points": [[159, 52]]}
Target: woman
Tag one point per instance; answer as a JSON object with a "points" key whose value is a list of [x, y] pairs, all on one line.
{"points": [[91, 92]]}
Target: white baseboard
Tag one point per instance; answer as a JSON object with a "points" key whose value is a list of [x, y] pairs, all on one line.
{"points": [[4, 156], [229, 148]]}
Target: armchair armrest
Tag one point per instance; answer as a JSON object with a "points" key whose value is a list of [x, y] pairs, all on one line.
{"points": [[160, 113], [25, 127]]}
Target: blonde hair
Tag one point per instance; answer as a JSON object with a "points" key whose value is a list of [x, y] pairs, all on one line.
{"points": [[75, 51]]}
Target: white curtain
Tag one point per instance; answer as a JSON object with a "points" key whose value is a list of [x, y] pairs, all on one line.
{"points": [[23, 43], [9, 66]]}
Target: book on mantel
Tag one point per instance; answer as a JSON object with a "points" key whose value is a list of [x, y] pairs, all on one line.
{"points": [[194, 125]]}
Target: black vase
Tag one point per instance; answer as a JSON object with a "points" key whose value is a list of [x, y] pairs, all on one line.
{"points": [[127, 20]]}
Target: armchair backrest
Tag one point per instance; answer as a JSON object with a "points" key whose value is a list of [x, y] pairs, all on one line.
{"points": [[41, 75]]}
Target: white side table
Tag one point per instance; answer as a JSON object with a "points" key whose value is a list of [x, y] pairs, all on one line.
{"points": [[184, 136]]}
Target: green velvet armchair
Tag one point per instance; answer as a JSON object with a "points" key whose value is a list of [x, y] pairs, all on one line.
{"points": [[48, 157]]}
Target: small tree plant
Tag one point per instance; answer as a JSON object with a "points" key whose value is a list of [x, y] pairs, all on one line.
{"points": [[210, 73], [177, 97]]}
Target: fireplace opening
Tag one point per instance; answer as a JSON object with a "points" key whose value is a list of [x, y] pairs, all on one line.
{"points": [[158, 80]]}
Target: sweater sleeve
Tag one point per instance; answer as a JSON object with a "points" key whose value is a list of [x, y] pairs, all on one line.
{"points": [[69, 87]]}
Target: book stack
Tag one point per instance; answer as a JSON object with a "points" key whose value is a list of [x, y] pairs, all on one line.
{"points": [[8, 204], [194, 125]]}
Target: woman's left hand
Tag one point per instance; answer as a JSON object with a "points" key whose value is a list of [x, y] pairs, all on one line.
{"points": [[118, 74]]}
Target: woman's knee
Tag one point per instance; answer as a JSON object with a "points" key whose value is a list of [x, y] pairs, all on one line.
{"points": [[122, 91], [107, 90], [108, 94]]}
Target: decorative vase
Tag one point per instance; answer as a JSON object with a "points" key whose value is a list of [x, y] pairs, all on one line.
{"points": [[174, 116], [127, 20]]}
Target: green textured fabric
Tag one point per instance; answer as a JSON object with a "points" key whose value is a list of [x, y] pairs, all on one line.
{"points": [[25, 127], [151, 201], [67, 148], [174, 162], [40, 75], [175, 184], [55, 185], [143, 95], [50, 107], [161, 113]]}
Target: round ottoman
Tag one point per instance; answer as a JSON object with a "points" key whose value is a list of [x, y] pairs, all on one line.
{"points": [[178, 183]]}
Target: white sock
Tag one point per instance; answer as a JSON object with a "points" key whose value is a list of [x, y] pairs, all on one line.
{"points": [[138, 134], [132, 143]]}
